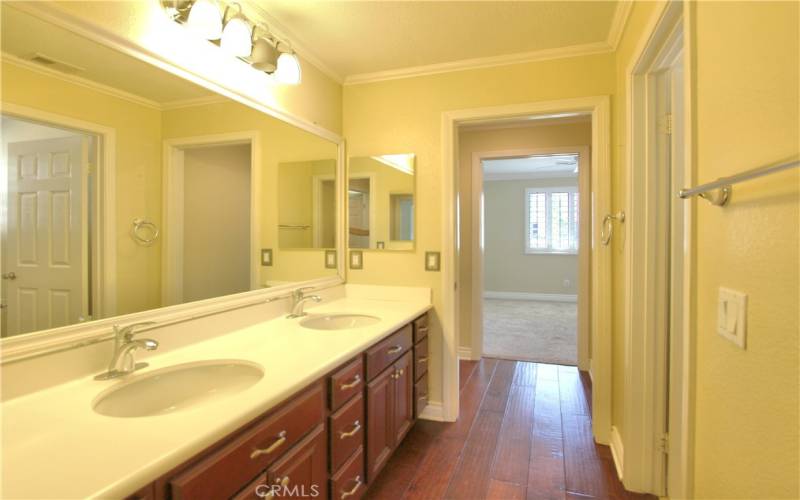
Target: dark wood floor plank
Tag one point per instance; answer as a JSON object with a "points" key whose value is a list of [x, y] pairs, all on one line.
{"points": [[514, 444], [546, 468], [471, 398], [502, 490], [525, 374], [583, 464], [466, 367], [471, 478], [573, 397], [433, 475], [496, 395]]}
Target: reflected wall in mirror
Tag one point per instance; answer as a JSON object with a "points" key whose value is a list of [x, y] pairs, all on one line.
{"points": [[124, 188], [307, 204], [380, 202]]}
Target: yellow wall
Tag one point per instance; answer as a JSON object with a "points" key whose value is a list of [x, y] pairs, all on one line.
{"points": [[138, 167], [502, 139], [318, 99], [280, 143], [747, 114], [405, 115]]}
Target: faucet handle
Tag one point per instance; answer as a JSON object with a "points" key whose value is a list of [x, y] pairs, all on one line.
{"points": [[298, 292]]}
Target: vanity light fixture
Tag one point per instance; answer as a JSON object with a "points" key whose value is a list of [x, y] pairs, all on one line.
{"points": [[205, 19], [288, 70], [264, 56], [237, 34]]}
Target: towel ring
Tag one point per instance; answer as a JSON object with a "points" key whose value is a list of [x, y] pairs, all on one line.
{"points": [[607, 227], [144, 232]]}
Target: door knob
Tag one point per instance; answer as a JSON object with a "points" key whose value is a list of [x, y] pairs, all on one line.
{"points": [[9, 276]]}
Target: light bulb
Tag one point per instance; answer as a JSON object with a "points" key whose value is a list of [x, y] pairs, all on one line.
{"points": [[288, 71], [205, 19], [236, 37]]}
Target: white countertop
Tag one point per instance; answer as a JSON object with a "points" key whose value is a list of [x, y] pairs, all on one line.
{"points": [[55, 446]]}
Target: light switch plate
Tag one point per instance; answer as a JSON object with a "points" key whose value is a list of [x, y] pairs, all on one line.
{"points": [[732, 316], [266, 256], [432, 261], [356, 259], [330, 259]]}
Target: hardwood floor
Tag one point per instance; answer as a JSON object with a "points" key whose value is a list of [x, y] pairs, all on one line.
{"points": [[525, 431]]}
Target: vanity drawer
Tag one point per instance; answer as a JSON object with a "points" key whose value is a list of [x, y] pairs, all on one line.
{"points": [[420, 328], [388, 351], [420, 395], [346, 382], [421, 359], [252, 490], [303, 472], [349, 482], [347, 431], [222, 473]]}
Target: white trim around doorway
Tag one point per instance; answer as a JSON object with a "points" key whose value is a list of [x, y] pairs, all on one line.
{"points": [[172, 223], [599, 109]]}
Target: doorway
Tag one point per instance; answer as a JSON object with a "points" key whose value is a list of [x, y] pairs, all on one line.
{"points": [[49, 225], [210, 185], [527, 288]]}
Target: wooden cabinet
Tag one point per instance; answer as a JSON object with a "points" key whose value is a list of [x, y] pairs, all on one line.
{"points": [[369, 405]]}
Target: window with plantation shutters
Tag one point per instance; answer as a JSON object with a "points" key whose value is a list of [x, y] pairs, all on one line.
{"points": [[551, 220]]}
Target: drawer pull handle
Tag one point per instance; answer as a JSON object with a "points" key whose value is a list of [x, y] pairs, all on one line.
{"points": [[422, 328], [274, 446], [395, 349], [350, 385], [351, 433], [423, 397], [282, 482], [423, 359], [353, 489]]}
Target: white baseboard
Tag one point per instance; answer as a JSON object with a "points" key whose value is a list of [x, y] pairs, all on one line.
{"points": [[545, 297], [617, 451], [434, 411]]}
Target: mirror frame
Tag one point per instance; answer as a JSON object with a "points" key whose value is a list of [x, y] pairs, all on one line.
{"points": [[69, 337], [389, 251]]}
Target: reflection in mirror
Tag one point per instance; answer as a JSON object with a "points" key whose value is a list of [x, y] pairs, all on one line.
{"points": [[124, 188], [381, 202]]}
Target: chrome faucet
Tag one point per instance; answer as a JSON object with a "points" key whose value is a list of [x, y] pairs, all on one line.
{"points": [[299, 299], [122, 362]]}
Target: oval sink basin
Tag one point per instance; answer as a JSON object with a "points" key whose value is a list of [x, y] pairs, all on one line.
{"points": [[338, 321], [177, 387]]}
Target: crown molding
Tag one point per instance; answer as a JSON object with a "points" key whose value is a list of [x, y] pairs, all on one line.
{"points": [[481, 62], [80, 81], [618, 22], [279, 30], [195, 101]]}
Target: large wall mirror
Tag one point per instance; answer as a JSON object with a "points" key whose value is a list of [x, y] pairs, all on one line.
{"points": [[380, 202], [125, 188]]}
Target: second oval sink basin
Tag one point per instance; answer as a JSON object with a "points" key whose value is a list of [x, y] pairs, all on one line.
{"points": [[177, 387], [338, 321]]}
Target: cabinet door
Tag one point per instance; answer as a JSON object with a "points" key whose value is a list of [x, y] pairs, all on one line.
{"points": [[303, 471], [403, 397], [380, 421]]}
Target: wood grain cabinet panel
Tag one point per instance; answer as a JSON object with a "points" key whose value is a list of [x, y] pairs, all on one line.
{"points": [[303, 472], [346, 383], [255, 490], [420, 359], [420, 395], [380, 422], [222, 473], [349, 482], [346, 431], [403, 398], [420, 328], [388, 351]]}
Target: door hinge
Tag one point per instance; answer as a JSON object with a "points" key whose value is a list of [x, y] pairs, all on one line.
{"points": [[668, 124], [663, 444]]}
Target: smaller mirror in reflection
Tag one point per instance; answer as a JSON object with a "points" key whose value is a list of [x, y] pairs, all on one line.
{"points": [[307, 204], [381, 202]]}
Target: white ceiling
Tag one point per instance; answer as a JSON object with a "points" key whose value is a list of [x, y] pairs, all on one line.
{"points": [[354, 40], [24, 35], [531, 167]]}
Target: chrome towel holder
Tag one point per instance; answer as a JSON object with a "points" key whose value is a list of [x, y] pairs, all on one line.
{"points": [[144, 232], [718, 192]]}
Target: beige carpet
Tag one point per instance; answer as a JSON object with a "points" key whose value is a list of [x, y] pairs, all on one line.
{"points": [[544, 332]]}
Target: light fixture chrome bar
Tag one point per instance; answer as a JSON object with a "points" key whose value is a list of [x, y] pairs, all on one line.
{"points": [[717, 192]]}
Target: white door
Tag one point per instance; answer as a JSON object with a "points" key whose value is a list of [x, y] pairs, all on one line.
{"points": [[44, 268]]}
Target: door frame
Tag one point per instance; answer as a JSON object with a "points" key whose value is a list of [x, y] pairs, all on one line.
{"points": [[172, 216], [657, 374], [600, 367], [104, 266], [372, 210], [477, 264]]}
